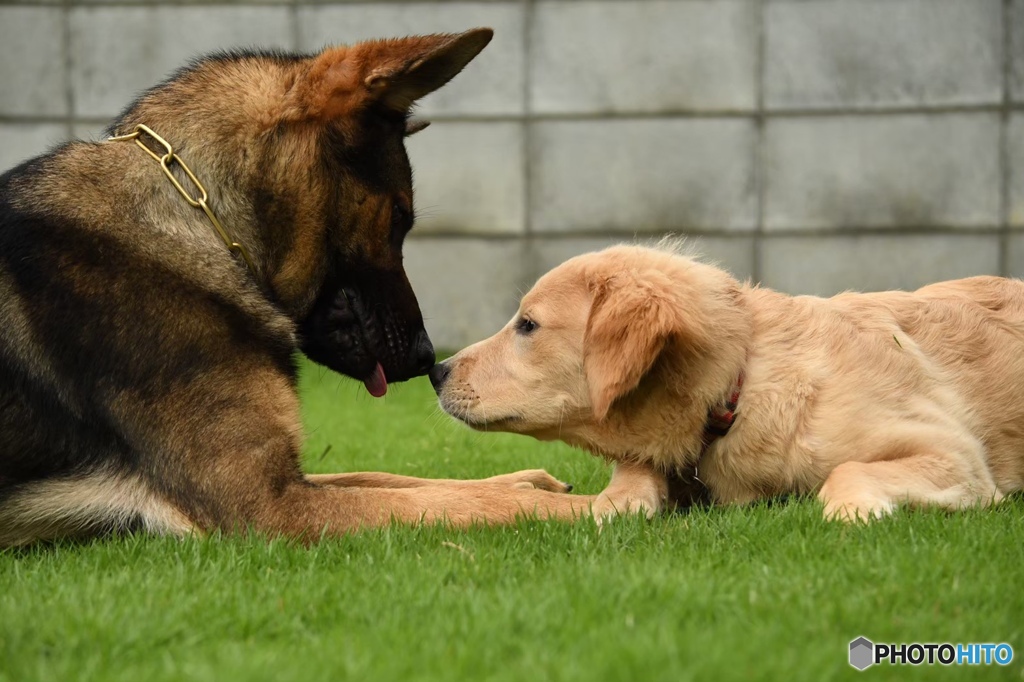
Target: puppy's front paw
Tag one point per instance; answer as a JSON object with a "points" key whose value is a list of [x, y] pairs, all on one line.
{"points": [[532, 478], [606, 507], [861, 511], [849, 495]]}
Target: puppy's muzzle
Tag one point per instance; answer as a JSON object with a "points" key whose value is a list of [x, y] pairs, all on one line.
{"points": [[439, 375]]}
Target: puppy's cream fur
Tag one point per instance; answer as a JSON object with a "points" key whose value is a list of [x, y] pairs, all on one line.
{"points": [[871, 400]]}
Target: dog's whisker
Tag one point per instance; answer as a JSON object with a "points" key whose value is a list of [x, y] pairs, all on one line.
{"points": [[426, 212]]}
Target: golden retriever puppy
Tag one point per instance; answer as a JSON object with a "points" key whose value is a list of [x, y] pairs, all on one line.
{"points": [[689, 380]]}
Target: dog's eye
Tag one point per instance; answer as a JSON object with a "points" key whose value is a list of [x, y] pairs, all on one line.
{"points": [[401, 218], [525, 325]]}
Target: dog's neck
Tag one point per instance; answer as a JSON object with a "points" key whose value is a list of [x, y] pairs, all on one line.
{"points": [[192, 191]]}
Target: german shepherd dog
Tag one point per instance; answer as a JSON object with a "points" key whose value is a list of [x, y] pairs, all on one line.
{"points": [[154, 289]]}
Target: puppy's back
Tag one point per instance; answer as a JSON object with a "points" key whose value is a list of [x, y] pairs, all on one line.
{"points": [[974, 329]]}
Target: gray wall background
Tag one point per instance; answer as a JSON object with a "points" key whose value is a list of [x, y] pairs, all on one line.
{"points": [[812, 145]]}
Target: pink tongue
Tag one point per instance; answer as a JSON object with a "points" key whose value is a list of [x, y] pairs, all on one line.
{"points": [[377, 385]]}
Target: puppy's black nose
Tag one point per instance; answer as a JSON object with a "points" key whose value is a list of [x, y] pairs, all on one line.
{"points": [[423, 353], [438, 374]]}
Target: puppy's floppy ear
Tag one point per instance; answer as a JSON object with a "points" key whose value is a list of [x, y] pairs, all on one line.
{"points": [[632, 317], [391, 73]]}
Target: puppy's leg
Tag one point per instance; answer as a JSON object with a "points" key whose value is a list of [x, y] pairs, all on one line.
{"points": [[634, 488], [866, 490], [531, 478]]}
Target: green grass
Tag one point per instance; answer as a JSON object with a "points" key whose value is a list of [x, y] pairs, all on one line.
{"points": [[759, 593]]}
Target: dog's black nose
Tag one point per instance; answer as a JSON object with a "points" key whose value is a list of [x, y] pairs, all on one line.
{"points": [[423, 353], [438, 374]]}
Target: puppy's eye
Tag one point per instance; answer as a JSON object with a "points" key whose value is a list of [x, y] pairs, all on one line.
{"points": [[525, 326]]}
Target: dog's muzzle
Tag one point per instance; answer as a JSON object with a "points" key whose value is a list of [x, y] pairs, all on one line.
{"points": [[365, 340]]}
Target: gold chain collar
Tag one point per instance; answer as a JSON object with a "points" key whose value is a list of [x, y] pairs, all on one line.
{"points": [[165, 161]]}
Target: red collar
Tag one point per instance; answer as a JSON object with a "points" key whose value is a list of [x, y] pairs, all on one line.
{"points": [[721, 418]]}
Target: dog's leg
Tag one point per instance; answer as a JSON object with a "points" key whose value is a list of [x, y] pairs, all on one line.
{"points": [[865, 490], [636, 488], [231, 498], [237, 468], [254, 492], [531, 478], [306, 509]]}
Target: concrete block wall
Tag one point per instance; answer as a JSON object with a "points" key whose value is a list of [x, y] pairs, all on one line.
{"points": [[812, 145]]}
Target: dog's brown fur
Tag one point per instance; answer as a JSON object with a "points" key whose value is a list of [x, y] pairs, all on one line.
{"points": [[871, 400], [147, 376]]}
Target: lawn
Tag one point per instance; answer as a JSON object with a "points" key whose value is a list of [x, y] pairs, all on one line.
{"points": [[760, 593]]}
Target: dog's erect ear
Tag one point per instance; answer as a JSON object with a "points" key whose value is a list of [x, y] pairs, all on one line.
{"points": [[632, 317], [390, 73], [415, 125]]}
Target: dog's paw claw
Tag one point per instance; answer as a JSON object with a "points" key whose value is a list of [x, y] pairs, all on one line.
{"points": [[533, 478]]}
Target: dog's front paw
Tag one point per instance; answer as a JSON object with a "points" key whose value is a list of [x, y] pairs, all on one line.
{"points": [[532, 478], [606, 507]]}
